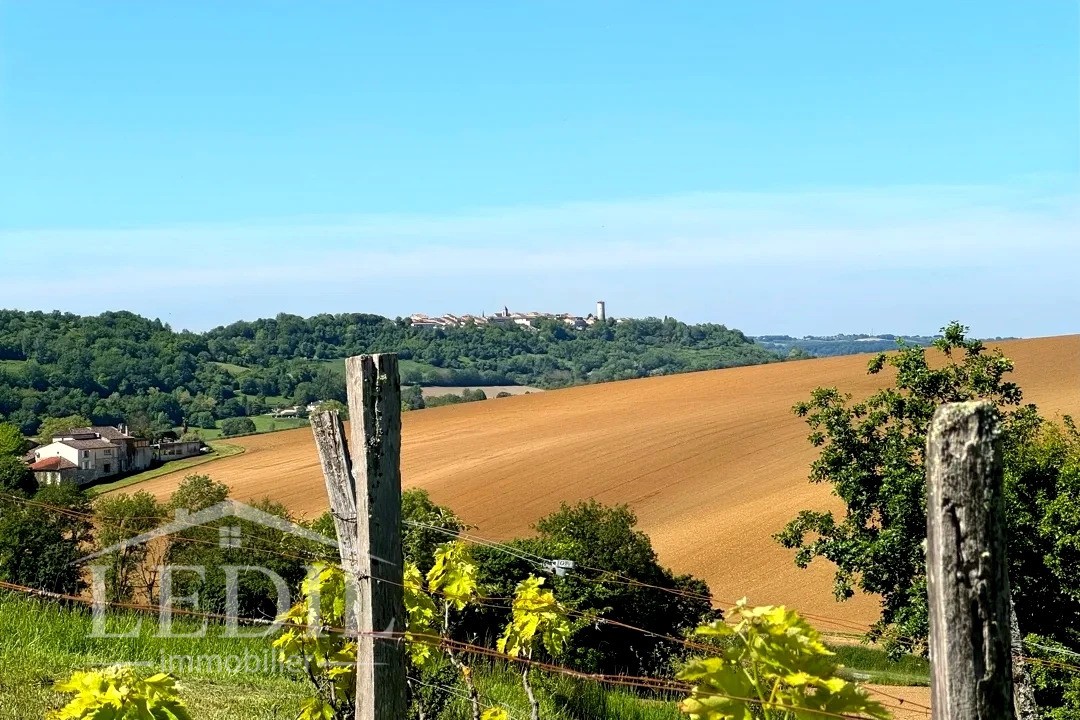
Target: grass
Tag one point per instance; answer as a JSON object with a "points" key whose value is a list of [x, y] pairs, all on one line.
{"points": [[220, 450], [263, 424], [45, 642], [15, 366], [231, 368], [870, 664], [274, 401], [561, 698]]}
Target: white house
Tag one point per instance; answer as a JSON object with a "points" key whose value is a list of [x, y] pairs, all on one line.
{"points": [[96, 452]]}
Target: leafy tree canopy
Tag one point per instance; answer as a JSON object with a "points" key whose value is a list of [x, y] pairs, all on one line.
{"points": [[51, 427], [119, 367], [872, 454], [12, 441], [39, 546], [14, 474], [237, 426], [617, 577]]}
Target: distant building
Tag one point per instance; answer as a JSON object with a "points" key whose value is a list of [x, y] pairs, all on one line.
{"points": [[177, 450], [83, 455]]}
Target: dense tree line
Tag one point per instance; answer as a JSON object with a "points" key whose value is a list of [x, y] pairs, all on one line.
{"points": [[120, 367]]}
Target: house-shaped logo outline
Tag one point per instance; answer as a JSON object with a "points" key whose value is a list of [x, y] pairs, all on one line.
{"points": [[218, 511]]}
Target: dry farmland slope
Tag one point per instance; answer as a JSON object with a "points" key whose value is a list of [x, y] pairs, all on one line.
{"points": [[713, 463]]}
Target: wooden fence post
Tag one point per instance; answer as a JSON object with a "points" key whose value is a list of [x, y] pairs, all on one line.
{"points": [[365, 500], [1023, 690], [337, 473], [967, 573]]}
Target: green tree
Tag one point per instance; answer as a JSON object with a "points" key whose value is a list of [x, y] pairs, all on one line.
{"points": [[203, 420], [12, 441], [425, 526], [144, 425], [412, 397], [618, 577], [872, 454], [237, 426], [51, 427], [131, 570], [280, 552], [14, 474], [342, 408], [40, 544], [197, 492]]}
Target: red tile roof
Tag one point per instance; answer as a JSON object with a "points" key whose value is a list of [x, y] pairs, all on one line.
{"points": [[53, 463]]}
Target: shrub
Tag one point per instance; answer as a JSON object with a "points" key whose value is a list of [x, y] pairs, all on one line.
{"points": [[777, 667], [39, 546], [118, 693], [237, 426]]}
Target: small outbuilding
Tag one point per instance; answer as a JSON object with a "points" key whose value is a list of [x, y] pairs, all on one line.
{"points": [[54, 470]]}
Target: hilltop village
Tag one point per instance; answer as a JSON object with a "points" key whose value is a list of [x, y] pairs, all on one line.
{"points": [[524, 319]]}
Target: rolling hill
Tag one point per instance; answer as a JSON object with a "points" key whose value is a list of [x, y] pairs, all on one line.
{"points": [[713, 463]]}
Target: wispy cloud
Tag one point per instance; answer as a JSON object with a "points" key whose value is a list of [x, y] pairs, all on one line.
{"points": [[829, 232]]}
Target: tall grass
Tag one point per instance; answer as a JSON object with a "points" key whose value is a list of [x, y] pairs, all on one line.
{"points": [[561, 698], [221, 677], [870, 664], [43, 641]]}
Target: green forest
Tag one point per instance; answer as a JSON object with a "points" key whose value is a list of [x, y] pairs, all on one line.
{"points": [[120, 367]]}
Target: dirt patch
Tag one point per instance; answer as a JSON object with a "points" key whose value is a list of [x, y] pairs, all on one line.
{"points": [[905, 703]]}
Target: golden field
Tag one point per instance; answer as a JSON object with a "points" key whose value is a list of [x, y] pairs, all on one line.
{"points": [[713, 463]]}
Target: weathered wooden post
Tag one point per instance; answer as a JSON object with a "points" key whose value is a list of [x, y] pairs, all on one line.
{"points": [[967, 574], [1023, 689], [364, 488]]}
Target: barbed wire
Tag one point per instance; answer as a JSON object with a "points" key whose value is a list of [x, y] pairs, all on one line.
{"points": [[537, 560], [456, 692], [642, 682]]}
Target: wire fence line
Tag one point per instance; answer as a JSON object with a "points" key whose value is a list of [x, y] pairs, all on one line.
{"points": [[640, 682], [606, 577], [456, 692]]}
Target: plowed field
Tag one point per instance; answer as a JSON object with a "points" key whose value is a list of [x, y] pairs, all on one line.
{"points": [[713, 463]]}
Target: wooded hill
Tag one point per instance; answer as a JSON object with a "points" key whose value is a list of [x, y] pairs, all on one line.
{"points": [[120, 367]]}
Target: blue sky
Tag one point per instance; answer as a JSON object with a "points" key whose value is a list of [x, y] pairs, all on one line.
{"points": [[777, 166]]}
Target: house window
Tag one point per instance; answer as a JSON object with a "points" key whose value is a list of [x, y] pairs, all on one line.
{"points": [[108, 468], [108, 452], [86, 453]]}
